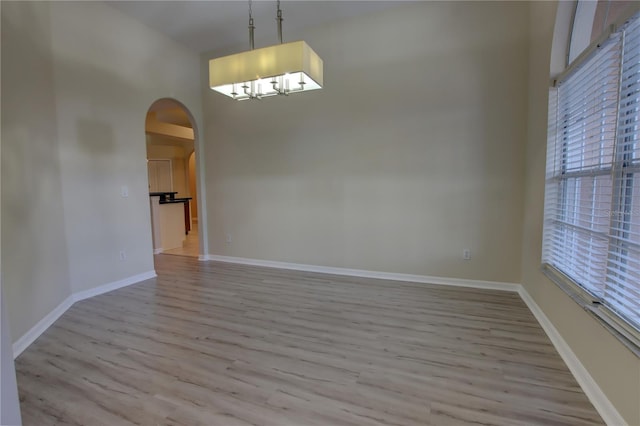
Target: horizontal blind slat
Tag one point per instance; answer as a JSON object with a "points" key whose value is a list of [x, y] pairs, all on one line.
{"points": [[592, 191]]}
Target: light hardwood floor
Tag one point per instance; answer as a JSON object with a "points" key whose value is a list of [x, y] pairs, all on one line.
{"points": [[210, 343]]}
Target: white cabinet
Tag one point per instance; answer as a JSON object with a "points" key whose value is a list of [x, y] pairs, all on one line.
{"points": [[160, 175]]}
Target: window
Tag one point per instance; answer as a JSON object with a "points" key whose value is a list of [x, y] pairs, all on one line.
{"points": [[592, 195]]}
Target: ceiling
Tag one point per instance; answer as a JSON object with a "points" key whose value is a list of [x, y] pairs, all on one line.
{"points": [[167, 111], [210, 25], [170, 111]]}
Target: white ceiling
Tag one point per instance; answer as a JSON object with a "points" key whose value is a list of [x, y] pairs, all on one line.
{"points": [[209, 25]]}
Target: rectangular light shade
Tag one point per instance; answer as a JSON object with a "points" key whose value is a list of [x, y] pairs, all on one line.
{"points": [[289, 67]]}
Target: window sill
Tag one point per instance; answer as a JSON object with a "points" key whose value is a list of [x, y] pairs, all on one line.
{"points": [[626, 334]]}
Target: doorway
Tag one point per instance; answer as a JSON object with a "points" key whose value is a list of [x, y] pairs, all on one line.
{"points": [[173, 186]]}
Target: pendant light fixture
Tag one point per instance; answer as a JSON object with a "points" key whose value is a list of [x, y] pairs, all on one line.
{"points": [[281, 69]]}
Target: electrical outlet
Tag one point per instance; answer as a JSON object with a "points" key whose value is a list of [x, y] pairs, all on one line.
{"points": [[228, 238], [123, 255], [466, 254], [124, 191]]}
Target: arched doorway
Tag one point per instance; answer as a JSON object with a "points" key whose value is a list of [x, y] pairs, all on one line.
{"points": [[171, 166]]}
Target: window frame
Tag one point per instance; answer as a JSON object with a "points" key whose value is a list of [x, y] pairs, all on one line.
{"points": [[622, 169]]}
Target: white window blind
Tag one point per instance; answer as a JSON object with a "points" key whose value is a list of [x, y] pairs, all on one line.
{"points": [[592, 195], [622, 289]]}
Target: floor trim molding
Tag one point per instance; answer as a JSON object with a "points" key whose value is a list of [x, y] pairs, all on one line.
{"points": [[113, 286], [605, 408], [41, 326], [424, 279], [601, 403], [595, 394]]}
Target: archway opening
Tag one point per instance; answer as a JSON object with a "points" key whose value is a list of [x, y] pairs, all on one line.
{"points": [[171, 166]]}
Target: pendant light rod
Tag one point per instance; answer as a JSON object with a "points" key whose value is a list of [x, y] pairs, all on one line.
{"points": [[279, 19], [251, 27]]}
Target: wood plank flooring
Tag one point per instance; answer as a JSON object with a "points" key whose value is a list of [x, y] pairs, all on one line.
{"points": [[210, 343]]}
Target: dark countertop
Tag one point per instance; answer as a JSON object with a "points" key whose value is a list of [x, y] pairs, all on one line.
{"points": [[175, 201], [169, 197], [156, 194]]}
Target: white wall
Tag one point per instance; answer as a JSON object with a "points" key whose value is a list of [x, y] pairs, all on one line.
{"points": [[193, 193], [35, 273], [9, 403], [614, 367], [77, 81], [412, 152], [109, 69]]}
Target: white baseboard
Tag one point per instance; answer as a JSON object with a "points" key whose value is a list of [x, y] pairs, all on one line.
{"points": [[601, 403], [30, 336], [106, 288], [599, 400], [423, 279], [597, 397]]}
